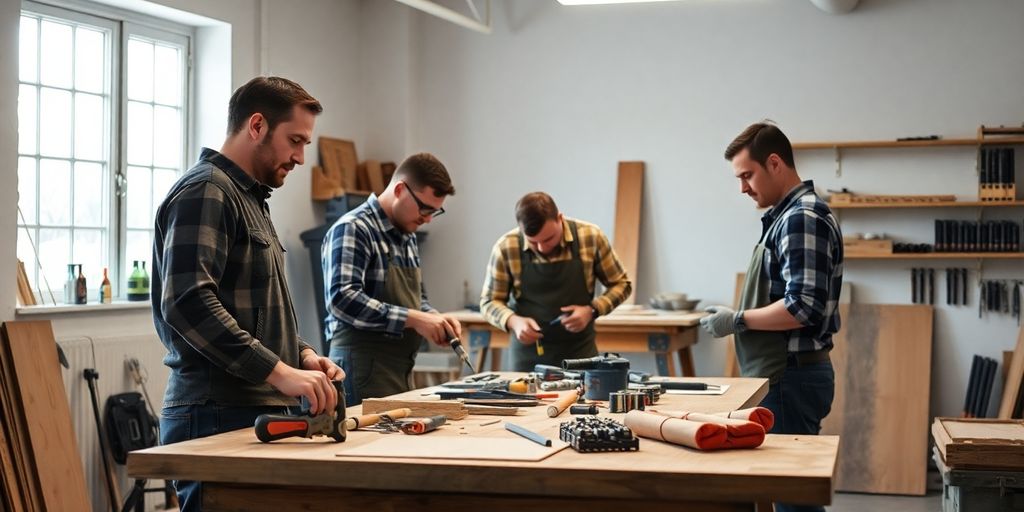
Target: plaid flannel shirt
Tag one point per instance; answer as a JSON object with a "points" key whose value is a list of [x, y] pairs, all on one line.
{"points": [[504, 271], [804, 261], [220, 301], [355, 255]]}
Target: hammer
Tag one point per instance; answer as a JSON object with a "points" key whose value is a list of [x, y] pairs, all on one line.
{"points": [[271, 427]]}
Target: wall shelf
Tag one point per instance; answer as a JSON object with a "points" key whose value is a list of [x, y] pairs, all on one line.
{"points": [[868, 144], [937, 204], [941, 256]]}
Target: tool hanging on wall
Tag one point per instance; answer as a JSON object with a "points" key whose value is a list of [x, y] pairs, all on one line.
{"points": [[1000, 296], [922, 283]]}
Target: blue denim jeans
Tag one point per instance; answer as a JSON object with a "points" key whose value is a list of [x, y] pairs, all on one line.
{"points": [[800, 401], [184, 422]]}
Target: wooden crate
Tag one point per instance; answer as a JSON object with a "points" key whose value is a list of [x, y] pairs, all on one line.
{"points": [[979, 443], [856, 247]]}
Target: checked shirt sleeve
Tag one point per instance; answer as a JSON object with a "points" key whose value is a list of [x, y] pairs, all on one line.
{"points": [[805, 250], [346, 253]]}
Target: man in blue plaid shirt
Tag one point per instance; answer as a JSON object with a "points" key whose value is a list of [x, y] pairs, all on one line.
{"points": [[377, 309], [789, 309]]}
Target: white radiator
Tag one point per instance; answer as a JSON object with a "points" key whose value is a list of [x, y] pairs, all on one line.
{"points": [[110, 355]]}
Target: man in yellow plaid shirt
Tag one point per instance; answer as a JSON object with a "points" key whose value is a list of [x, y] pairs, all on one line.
{"points": [[540, 284]]}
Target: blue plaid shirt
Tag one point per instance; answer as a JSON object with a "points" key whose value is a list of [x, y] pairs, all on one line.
{"points": [[355, 254], [804, 261]]}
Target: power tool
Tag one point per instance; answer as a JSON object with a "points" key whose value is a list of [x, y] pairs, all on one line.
{"points": [[271, 427]]}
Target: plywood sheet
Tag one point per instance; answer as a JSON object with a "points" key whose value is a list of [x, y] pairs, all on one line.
{"points": [[429, 446], [338, 158], [33, 352], [882, 359], [626, 243], [1013, 387]]}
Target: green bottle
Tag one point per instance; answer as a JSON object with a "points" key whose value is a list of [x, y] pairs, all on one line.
{"points": [[138, 282]]}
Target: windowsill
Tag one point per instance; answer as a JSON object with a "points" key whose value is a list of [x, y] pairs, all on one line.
{"points": [[61, 309]]}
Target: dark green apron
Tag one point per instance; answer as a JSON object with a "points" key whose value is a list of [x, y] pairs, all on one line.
{"points": [[760, 353], [544, 289], [376, 364]]}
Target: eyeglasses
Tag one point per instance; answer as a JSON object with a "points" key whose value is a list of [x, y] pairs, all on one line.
{"points": [[425, 209]]}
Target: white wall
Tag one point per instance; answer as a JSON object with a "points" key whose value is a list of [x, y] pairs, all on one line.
{"points": [[557, 95], [9, 23]]}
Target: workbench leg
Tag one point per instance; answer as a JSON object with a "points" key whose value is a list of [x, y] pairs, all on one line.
{"points": [[686, 362], [666, 364], [495, 359], [480, 342]]}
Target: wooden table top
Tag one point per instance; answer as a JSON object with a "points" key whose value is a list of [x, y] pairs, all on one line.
{"points": [[788, 468], [657, 319]]}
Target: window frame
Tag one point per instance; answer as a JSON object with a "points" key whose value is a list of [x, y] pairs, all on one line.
{"points": [[121, 25]]}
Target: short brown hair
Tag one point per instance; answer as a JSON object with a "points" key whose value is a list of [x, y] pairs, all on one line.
{"points": [[273, 97], [425, 170], [762, 139], [534, 210]]}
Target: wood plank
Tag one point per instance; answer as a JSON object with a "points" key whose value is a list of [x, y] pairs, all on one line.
{"points": [[1012, 388], [247, 498], [453, 409], [10, 484], [33, 353], [732, 365], [338, 158], [628, 199], [14, 421], [879, 144], [376, 176], [882, 359]]}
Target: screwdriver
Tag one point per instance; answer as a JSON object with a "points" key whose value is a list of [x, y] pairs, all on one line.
{"points": [[461, 352]]}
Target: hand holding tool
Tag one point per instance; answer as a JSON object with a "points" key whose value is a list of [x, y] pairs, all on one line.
{"points": [[271, 427], [367, 420]]}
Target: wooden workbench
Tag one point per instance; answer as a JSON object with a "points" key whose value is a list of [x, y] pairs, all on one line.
{"points": [[664, 334], [242, 474]]}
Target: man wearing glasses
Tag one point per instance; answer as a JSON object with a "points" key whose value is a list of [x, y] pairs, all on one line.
{"points": [[540, 284], [377, 309]]}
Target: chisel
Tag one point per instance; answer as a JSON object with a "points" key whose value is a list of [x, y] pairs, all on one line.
{"points": [[963, 282], [372, 419], [913, 285], [931, 286]]}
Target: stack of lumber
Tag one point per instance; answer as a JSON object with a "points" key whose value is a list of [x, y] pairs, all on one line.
{"points": [[980, 443], [340, 172], [39, 465]]}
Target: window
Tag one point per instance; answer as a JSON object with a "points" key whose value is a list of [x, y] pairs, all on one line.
{"points": [[102, 123]]}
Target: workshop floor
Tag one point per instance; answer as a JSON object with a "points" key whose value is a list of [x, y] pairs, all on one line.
{"points": [[852, 502]]}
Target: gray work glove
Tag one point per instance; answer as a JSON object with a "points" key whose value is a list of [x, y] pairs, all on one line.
{"points": [[721, 322]]}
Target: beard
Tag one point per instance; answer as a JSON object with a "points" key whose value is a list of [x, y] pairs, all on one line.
{"points": [[266, 168]]}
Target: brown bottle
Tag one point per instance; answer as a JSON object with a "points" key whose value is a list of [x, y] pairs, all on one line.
{"points": [[81, 291]]}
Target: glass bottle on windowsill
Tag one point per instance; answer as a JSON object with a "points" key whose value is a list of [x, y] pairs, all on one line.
{"points": [[81, 290], [138, 282], [105, 289], [70, 284]]}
